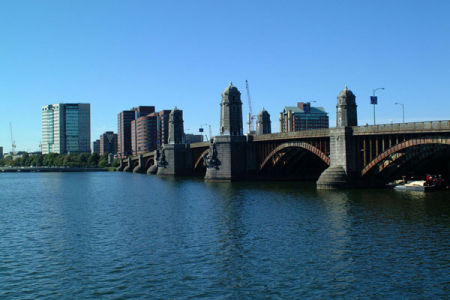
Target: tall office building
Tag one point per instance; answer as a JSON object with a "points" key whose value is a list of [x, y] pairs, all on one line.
{"points": [[303, 117], [1, 152], [125, 140], [108, 143], [66, 128], [124, 120], [144, 134]]}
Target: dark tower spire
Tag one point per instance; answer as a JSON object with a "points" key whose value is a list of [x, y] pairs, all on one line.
{"points": [[346, 109], [231, 112], [263, 124]]}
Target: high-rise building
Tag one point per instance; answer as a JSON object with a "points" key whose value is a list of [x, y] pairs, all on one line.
{"points": [[66, 128], [125, 139], [1, 152], [263, 124], [108, 143], [141, 111], [124, 120], [303, 117], [231, 112], [144, 134], [162, 128], [96, 146]]}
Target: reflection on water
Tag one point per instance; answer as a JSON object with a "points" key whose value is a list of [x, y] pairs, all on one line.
{"points": [[127, 235]]}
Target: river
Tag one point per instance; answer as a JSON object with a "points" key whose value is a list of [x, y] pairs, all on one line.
{"points": [[121, 235]]}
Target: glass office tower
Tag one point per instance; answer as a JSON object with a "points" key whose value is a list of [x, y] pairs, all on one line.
{"points": [[66, 128]]}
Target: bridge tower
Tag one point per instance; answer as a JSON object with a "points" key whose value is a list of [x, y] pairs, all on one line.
{"points": [[346, 109], [226, 160], [343, 170], [263, 125], [173, 158]]}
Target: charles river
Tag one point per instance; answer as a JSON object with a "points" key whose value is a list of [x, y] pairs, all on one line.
{"points": [[119, 235]]}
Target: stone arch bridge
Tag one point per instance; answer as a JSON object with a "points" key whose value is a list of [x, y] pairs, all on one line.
{"points": [[366, 154]]}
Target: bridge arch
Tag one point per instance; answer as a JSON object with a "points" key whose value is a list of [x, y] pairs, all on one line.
{"points": [[388, 157], [299, 145]]}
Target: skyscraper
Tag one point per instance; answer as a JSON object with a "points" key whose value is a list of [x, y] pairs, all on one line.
{"points": [[66, 128], [124, 120]]}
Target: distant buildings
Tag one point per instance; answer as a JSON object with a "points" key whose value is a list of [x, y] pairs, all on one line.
{"points": [[144, 134], [1, 152], [141, 129], [108, 143], [190, 138], [66, 128], [124, 120], [96, 146], [303, 117]]}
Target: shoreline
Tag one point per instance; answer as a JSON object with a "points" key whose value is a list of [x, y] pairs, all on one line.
{"points": [[50, 169]]}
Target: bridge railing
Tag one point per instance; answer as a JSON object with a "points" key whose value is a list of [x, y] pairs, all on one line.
{"points": [[429, 126]]}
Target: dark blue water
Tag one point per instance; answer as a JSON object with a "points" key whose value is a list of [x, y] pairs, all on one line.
{"points": [[116, 235]]}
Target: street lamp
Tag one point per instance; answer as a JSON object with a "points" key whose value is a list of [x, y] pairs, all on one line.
{"points": [[403, 110], [374, 101]]}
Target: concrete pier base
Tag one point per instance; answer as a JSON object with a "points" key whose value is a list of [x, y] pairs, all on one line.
{"points": [[332, 178], [227, 159], [129, 167], [140, 168], [173, 161]]}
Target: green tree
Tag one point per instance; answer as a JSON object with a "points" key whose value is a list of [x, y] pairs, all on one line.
{"points": [[93, 160], [116, 163]]}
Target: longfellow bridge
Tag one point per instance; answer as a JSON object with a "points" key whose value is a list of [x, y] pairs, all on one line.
{"points": [[337, 157]]}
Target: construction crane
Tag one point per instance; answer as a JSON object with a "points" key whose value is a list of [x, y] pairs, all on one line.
{"points": [[201, 130], [251, 117], [13, 143]]}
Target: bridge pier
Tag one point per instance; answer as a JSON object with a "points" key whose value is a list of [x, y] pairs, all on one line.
{"points": [[174, 160], [227, 158], [343, 170], [121, 165], [129, 167], [141, 165]]}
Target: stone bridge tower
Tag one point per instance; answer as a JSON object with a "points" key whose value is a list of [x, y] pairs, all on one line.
{"points": [[174, 159], [343, 171], [226, 160], [263, 125], [231, 112]]}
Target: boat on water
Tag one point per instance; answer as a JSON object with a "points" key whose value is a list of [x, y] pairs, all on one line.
{"points": [[431, 183]]}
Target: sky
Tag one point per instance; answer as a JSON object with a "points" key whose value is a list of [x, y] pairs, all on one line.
{"points": [[120, 54]]}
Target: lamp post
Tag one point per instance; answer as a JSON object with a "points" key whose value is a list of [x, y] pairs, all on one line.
{"points": [[374, 102], [403, 110]]}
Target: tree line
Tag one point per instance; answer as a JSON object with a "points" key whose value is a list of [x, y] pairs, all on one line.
{"points": [[81, 160]]}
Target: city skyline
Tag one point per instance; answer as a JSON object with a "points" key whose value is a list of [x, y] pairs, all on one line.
{"points": [[117, 56]]}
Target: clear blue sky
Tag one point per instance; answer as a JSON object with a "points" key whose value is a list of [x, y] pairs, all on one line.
{"points": [[120, 54]]}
